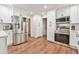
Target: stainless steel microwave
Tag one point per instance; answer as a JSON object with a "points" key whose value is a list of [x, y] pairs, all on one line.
{"points": [[63, 19]]}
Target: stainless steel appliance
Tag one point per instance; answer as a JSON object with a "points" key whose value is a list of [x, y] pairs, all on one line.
{"points": [[20, 32], [7, 26], [62, 32], [65, 19], [62, 38]]}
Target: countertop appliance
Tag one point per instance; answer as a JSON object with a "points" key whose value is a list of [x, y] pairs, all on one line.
{"points": [[7, 26]]}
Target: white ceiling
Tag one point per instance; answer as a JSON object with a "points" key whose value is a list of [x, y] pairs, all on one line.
{"points": [[39, 8]]}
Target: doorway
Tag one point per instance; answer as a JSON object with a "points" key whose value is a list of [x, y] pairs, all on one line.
{"points": [[45, 27], [29, 27]]}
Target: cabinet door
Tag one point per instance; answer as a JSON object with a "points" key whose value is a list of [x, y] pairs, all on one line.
{"points": [[3, 45], [5, 14], [63, 12], [74, 14], [59, 13], [66, 12], [73, 41], [78, 14], [9, 38]]}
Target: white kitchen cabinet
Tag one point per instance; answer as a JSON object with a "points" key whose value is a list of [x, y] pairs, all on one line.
{"points": [[59, 13], [9, 38], [78, 44], [73, 39], [74, 12], [3, 42], [62, 12], [51, 25], [3, 45], [66, 11], [78, 14], [5, 13]]}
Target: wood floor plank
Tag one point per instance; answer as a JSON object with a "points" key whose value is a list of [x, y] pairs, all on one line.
{"points": [[40, 46]]}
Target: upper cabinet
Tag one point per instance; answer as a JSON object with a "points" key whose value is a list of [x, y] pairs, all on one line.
{"points": [[5, 13], [78, 14], [72, 11], [74, 14], [62, 12], [19, 12]]}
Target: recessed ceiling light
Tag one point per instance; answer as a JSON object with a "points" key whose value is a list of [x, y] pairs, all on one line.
{"points": [[45, 6]]}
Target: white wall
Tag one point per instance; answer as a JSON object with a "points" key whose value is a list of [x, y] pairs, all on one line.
{"points": [[51, 25], [36, 26]]}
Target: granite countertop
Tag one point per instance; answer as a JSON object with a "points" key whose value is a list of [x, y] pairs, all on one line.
{"points": [[3, 34]]}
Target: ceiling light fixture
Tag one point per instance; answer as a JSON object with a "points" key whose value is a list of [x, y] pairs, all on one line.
{"points": [[45, 6]]}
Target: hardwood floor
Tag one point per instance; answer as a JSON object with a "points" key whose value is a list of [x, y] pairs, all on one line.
{"points": [[40, 46]]}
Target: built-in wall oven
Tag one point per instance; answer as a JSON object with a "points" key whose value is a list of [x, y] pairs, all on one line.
{"points": [[62, 32], [62, 38]]}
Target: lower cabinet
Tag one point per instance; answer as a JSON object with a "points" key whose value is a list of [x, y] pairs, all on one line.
{"points": [[78, 44], [9, 38], [73, 39], [3, 45]]}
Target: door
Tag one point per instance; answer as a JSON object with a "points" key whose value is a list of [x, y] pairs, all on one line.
{"points": [[44, 26]]}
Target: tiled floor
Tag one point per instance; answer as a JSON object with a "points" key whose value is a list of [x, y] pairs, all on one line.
{"points": [[40, 46]]}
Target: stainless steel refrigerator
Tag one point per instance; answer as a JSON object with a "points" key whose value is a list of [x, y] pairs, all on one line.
{"points": [[20, 30]]}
